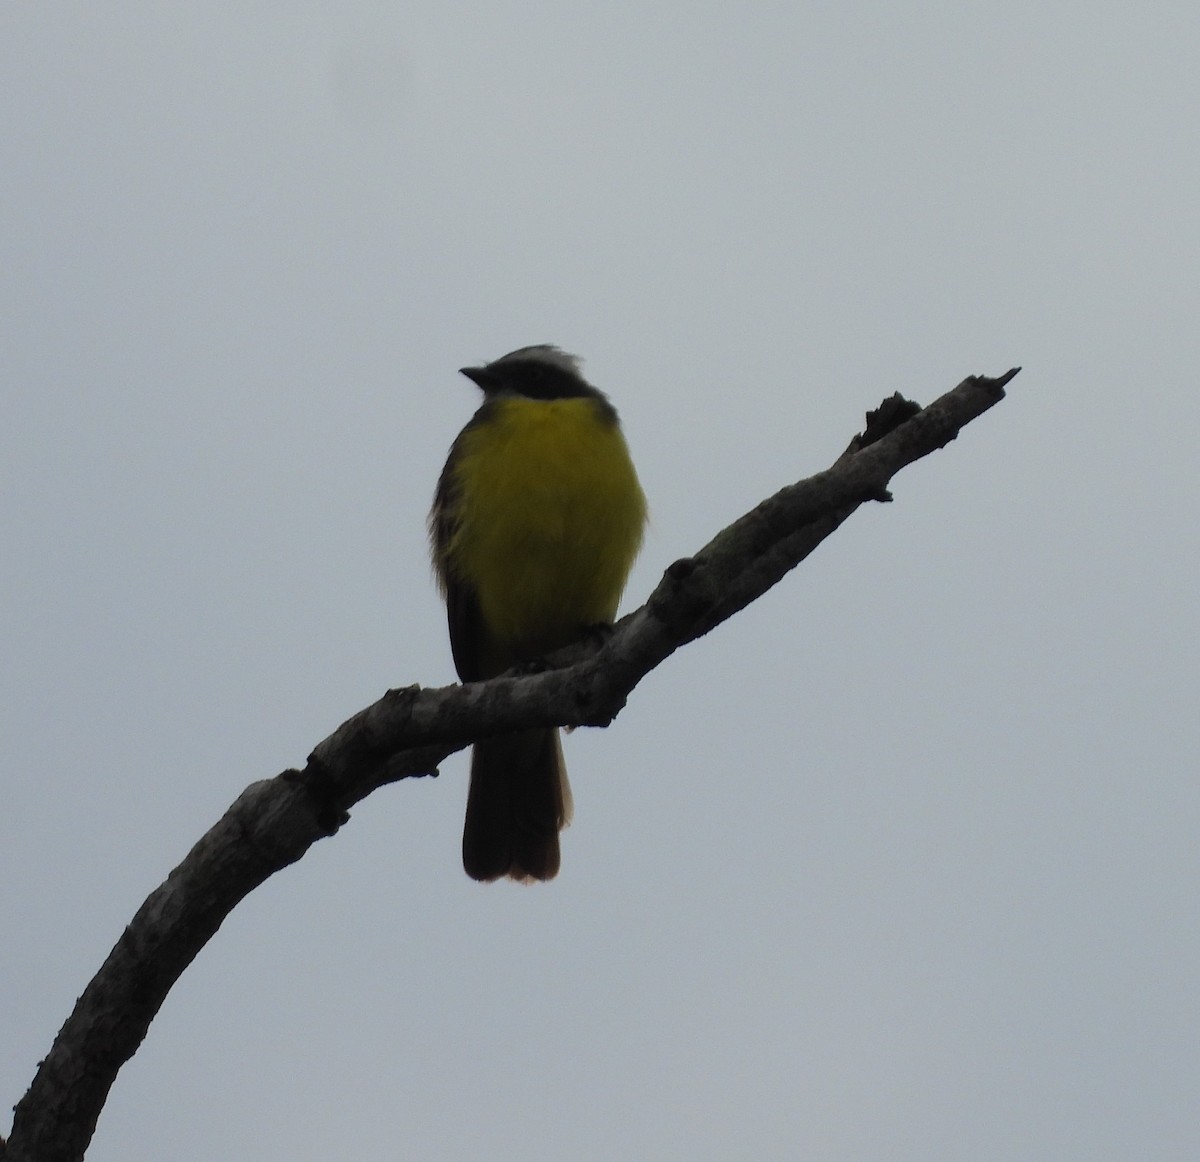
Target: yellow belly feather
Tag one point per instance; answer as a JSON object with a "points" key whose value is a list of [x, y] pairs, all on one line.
{"points": [[552, 519]]}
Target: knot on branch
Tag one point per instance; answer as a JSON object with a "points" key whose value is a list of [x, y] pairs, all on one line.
{"points": [[886, 418], [318, 782], [670, 598]]}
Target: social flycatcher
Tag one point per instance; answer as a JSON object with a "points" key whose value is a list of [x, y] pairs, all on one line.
{"points": [[536, 521]]}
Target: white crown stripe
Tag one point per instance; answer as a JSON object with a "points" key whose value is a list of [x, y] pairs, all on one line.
{"points": [[545, 353]]}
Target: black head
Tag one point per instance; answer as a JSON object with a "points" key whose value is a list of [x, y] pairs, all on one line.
{"points": [[541, 372]]}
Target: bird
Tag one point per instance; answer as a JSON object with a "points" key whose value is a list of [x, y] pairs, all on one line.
{"points": [[536, 521]]}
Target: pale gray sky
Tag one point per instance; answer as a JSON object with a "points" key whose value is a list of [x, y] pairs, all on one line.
{"points": [[900, 864]]}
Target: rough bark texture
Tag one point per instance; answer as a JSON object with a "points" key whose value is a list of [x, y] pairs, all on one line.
{"points": [[409, 731]]}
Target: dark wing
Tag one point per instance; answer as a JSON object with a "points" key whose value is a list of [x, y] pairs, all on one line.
{"points": [[466, 632], [462, 604]]}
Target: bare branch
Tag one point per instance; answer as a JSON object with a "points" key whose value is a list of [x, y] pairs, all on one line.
{"points": [[409, 731]]}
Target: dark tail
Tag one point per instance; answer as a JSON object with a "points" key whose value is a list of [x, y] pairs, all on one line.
{"points": [[518, 802]]}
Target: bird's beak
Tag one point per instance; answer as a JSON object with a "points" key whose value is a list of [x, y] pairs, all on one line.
{"points": [[480, 376]]}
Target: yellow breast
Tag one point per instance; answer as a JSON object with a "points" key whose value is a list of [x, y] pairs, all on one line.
{"points": [[551, 518]]}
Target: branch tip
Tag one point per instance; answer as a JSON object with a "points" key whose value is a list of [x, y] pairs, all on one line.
{"points": [[995, 384]]}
